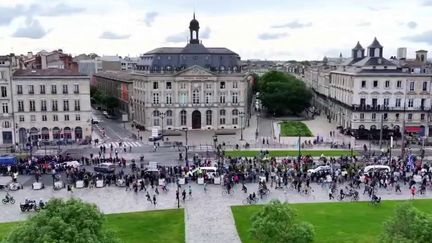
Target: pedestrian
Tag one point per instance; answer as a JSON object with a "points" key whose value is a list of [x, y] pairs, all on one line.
{"points": [[413, 191], [184, 195], [190, 191], [154, 200], [156, 191], [330, 192]]}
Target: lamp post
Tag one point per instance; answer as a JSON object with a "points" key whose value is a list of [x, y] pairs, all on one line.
{"points": [[186, 145], [241, 125], [299, 145]]}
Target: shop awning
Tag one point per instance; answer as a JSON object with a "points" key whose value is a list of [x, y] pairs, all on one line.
{"points": [[412, 129]]}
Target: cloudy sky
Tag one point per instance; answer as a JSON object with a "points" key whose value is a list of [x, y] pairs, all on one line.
{"points": [[256, 29]]}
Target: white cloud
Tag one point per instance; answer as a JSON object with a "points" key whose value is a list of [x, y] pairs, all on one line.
{"points": [[177, 38], [412, 25], [272, 36], [32, 29], [113, 36], [205, 34], [293, 25], [425, 37]]}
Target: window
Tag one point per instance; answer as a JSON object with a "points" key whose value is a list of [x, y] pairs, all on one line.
{"points": [[53, 89], [183, 118], [222, 120], [410, 116], [363, 84], [361, 116], [21, 118], [387, 83], [222, 98], [76, 89], [169, 119], [222, 112], [155, 85], [235, 112], [411, 86], [410, 102], [375, 83], [424, 86], [208, 117], [77, 105], [44, 118], [155, 98], [169, 99], [43, 105], [66, 117], [398, 102], [20, 106], [422, 117], [32, 118], [3, 91], [208, 98], [222, 85], [32, 105], [399, 84], [235, 97], [235, 85], [183, 98], [195, 97], [65, 105], [65, 89], [19, 89], [168, 85], [235, 120], [54, 105], [397, 116], [31, 89], [77, 117], [182, 85], [208, 85], [373, 116], [5, 108], [55, 118], [42, 89], [386, 102], [6, 124], [385, 116]]}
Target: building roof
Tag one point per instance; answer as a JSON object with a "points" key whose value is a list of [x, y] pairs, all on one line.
{"points": [[191, 49], [373, 61], [421, 51], [375, 44], [118, 75], [45, 72], [358, 47]]}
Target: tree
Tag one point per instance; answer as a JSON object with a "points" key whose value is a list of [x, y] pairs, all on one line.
{"points": [[277, 223], [111, 102], [64, 221], [280, 92], [408, 225]]}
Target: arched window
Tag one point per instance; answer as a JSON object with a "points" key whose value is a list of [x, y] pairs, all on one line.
{"points": [[208, 117], [183, 118], [169, 113], [6, 124], [169, 119], [235, 112], [195, 97], [156, 113], [222, 112]]}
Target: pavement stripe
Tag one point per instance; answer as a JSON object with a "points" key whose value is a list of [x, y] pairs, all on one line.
{"points": [[137, 144]]}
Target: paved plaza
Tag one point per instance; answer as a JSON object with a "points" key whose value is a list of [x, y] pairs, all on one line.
{"points": [[207, 215]]}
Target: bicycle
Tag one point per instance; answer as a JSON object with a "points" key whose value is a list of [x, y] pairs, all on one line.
{"points": [[249, 201], [226, 192]]}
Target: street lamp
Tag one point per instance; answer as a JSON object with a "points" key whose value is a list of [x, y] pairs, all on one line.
{"points": [[299, 145], [241, 125], [185, 129], [215, 140]]}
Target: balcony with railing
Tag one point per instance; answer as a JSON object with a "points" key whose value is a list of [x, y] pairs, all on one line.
{"points": [[378, 108]]}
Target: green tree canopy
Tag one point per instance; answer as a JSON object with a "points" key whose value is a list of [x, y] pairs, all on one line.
{"points": [[71, 221], [408, 225], [281, 92], [277, 223], [111, 102]]}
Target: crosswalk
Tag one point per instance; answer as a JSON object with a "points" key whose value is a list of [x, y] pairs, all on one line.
{"points": [[123, 144]]}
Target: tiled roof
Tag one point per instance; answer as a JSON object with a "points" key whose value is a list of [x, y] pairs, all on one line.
{"points": [[45, 72]]}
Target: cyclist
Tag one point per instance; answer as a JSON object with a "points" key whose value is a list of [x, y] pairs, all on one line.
{"points": [[244, 188]]}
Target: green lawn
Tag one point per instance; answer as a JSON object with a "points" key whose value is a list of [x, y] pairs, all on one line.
{"points": [[147, 227], [334, 222], [294, 129], [285, 153]]}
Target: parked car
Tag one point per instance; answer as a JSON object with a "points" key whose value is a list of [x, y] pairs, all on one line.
{"points": [[95, 120], [105, 168], [107, 115], [319, 168], [73, 164]]}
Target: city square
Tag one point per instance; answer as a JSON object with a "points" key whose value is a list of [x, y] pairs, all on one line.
{"points": [[228, 131]]}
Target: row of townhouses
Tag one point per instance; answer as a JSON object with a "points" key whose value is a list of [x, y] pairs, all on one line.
{"points": [[367, 93], [44, 105]]}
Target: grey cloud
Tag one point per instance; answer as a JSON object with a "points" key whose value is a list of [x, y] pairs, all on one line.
{"points": [[272, 36], [7, 14], [293, 25], [113, 36], [425, 37], [150, 18], [427, 3], [176, 38], [364, 24], [376, 9], [412, 25], [32, 29], [205, 34]]}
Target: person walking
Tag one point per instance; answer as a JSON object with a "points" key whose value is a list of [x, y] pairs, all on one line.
{"points": [[154, 199], [190, 191], [184, 195], [413, 191], [330, 193]]}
